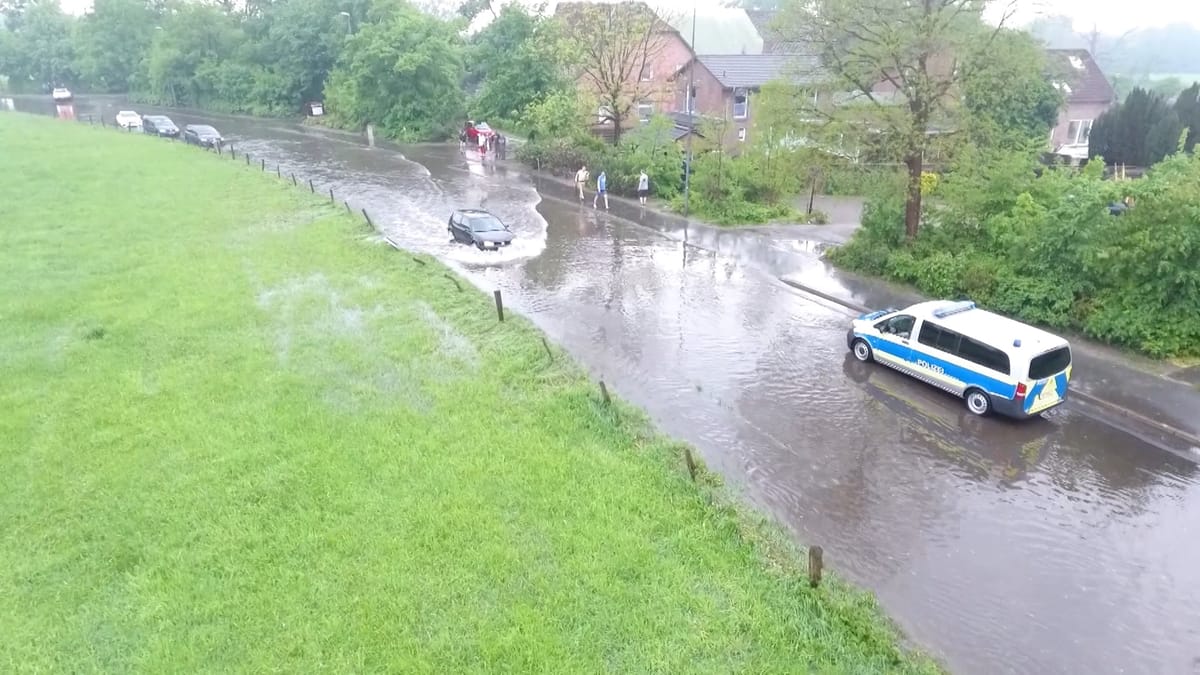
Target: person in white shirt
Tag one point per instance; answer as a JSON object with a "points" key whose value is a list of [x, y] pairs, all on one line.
{"points": [[581, 178], [643, 187]]}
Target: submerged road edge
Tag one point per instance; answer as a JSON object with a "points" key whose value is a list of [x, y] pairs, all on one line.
{"points": [[1091, 399]]}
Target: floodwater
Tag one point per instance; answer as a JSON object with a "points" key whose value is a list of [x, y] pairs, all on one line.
{"points": [[1062, 545]]}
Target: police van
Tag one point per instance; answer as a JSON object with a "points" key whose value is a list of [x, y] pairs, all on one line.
{"points": [[995, 363]]}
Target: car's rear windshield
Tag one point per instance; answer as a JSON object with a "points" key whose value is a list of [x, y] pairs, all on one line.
{"points": [[486, 224], [1051, 363]]}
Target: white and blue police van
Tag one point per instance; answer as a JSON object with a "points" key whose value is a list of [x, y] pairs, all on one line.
{"points": [[993, 362]]}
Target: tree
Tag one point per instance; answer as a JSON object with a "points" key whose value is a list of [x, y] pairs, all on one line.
{"points": [[1008, 92], [39, 53], [1187, 107], [300, 43], [902, 61], [514, 63], [1141, 131], [188, 62], [402, 72], [112, 41], [614, 48]]}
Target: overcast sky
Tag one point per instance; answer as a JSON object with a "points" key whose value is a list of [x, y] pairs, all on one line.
{"points": [[1110, 16]]}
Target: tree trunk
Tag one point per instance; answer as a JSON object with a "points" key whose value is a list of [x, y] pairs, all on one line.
{"points": [[912, 205], [616, 131]]}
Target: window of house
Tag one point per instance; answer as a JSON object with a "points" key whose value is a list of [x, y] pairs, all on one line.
{"points": [[741, 104], [742, 134], [647, 73], [1078, 132], [645, 111], [690, 105], [603, 114]]}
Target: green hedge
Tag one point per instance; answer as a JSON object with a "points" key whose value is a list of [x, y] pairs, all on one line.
{"points": [[1040, 245]]}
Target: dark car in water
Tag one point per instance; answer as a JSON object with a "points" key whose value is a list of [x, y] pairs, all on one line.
{"points": [[202, 135], [159, 125], [485, 231]]}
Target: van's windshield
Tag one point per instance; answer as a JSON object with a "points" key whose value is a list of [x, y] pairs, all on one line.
{"points": [[1051, 363]]}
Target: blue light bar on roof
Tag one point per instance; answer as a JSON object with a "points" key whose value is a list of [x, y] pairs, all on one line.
{"points": [[953, 308]]}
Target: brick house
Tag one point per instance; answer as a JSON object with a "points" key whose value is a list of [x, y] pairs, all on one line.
{"points": [[724, 86], [1087, 93], [650, 65], [652, 82]]}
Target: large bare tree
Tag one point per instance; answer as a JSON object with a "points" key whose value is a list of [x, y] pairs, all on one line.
{"points": [[615, 46], [893, 67]]}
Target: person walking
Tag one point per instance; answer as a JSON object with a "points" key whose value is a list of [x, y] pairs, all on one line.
{"points": [[643, 187], [601, 189], [581, 177]]}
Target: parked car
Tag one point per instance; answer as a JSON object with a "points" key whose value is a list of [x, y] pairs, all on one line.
{"points": [[485, 231], [203, 135], [128, 119], [159, 125], [61, 94]]}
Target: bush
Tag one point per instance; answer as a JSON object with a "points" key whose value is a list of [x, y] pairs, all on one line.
{"points": [[558, 156], [858, 179], [648, 148], [1039, 244], [734, 191]]}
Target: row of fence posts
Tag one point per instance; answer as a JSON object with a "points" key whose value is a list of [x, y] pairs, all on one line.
{"points": [[815, 553]]}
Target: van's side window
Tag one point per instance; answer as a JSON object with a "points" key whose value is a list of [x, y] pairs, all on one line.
{"points": [[934, 335], [929, 334], [948, 341], [988, 357], [898, 325]]}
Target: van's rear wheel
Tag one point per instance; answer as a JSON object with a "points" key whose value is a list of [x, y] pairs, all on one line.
{"points": [[862, 351], [978, 402]]}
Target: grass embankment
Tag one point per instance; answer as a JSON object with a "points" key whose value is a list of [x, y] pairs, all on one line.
{"points": [[238, 434]]}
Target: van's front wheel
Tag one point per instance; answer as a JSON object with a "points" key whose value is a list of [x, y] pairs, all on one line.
{"points": [[862, 351], [978, 402]]}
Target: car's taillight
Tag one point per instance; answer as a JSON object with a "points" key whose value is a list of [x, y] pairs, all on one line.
{"points": [[1022, 390]]}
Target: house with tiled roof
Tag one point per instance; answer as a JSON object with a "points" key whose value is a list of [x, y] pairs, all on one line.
{"points": [[724, 85], [1086, 93]]}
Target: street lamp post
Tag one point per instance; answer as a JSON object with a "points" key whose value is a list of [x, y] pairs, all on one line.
{"points": [[349, 22], [691, 111]]}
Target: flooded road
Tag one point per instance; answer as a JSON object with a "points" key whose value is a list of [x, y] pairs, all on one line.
{"points": [[1058, 546]]}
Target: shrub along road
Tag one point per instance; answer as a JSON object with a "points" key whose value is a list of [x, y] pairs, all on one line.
{"points": [[238, 433]]}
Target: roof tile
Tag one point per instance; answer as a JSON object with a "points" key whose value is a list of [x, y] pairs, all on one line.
{"points": [[755, 70], [1085, 82]]}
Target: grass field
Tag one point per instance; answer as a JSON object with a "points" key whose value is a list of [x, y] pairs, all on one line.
{"points": [[237, 434]]}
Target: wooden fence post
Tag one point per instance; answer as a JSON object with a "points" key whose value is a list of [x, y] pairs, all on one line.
{"points": [[816, 561]]}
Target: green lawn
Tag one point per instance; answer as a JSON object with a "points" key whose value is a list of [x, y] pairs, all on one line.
{"points": [[237, 433]]}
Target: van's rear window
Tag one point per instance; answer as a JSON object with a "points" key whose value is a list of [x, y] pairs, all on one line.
{"points": [[1051, 363]]}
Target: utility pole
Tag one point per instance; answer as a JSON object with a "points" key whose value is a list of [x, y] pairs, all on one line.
{"points": [[688, 98]]}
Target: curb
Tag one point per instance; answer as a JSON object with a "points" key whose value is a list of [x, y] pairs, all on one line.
{"points": [[1090, 399]]}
